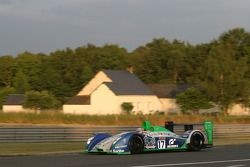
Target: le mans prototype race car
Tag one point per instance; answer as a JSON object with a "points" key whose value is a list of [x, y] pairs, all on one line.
{"points": [[152, 138]]}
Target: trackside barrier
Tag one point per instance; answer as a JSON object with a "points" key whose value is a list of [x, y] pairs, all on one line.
{"points": [[82, 133]]}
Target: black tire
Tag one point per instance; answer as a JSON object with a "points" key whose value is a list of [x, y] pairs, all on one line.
{"points": [[136, 144], [196, 141]]}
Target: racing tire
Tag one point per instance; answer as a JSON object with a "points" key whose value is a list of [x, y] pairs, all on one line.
{"points": [[136, 144], [196, 141]]}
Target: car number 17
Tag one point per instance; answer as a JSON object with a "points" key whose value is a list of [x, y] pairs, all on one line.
{"points": [[161, 144]]}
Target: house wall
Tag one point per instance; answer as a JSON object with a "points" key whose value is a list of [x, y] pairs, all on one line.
{"points": [[102, 101], [98, 79], [76, 109], [238, 109], [13, 108], [169, 105], [144, 104]]}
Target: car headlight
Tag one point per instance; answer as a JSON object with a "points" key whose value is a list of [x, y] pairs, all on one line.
{"points": [[89, 140]]}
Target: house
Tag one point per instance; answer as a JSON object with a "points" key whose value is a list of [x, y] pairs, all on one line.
{"points": [[108, 90], [14, 103], [167, 95], [238, 109]]}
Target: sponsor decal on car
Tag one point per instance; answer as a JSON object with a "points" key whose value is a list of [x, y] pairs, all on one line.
{"points": [[160, 134], [123, 146], [150, 147], [118, 151], [171, 143], [149, 142]]}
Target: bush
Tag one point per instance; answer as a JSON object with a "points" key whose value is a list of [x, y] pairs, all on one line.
{"points": [[40, 100], [192, 100], [127, 107]]}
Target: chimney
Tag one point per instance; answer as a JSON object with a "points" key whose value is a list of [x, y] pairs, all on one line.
{"points": [[130, 69]]}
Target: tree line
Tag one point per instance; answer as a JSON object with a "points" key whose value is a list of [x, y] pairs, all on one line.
{"points": [[221, 67]]}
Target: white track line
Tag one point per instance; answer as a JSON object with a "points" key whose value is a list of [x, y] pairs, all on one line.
{"points": [[236, 166], [195, 163]]}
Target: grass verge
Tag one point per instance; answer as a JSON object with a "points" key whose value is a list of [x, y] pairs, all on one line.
{"points": [[59, 118]]}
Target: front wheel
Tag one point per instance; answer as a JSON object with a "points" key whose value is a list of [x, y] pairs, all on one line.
{"points": [[196, 141], [136, 144]]}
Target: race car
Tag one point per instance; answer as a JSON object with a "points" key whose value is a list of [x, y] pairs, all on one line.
{"points": [[152, 138]]}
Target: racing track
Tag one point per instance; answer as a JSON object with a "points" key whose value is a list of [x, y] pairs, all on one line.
{"points": [[223, 156]]}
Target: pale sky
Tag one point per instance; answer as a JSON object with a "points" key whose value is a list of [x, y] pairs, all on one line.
{"points": [[47, 25]]}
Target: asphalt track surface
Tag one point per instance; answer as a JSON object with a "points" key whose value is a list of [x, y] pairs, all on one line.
{"points": [[223, 156]]}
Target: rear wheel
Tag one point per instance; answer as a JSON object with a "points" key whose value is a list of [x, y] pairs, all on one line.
{"points": [[136, 144], [196, 141]]}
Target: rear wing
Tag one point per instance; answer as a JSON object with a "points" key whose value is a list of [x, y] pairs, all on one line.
{"points": [[207, 125]]}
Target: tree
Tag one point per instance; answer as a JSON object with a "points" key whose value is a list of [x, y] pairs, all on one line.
{"points": [[6, 70], [4, 92], [30, 64], [127, 107], [176, 59], [223, 78], [40, 100], [105, 57], [144, 65], [72, 73], [20, 82], [241, 39], [160, 61], [195, 62], [192, 100]]}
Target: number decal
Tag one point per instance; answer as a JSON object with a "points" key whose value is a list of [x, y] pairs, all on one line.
{"points": [[161, 144]]}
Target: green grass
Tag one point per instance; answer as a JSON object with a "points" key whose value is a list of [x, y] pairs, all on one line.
{"points": [[38, 148], [59, 118]]}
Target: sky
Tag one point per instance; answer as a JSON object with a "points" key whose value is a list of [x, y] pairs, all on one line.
{"points": [[47, 25]]}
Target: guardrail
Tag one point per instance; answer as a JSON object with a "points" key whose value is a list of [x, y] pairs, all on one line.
{"points": [[76, 134]]}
